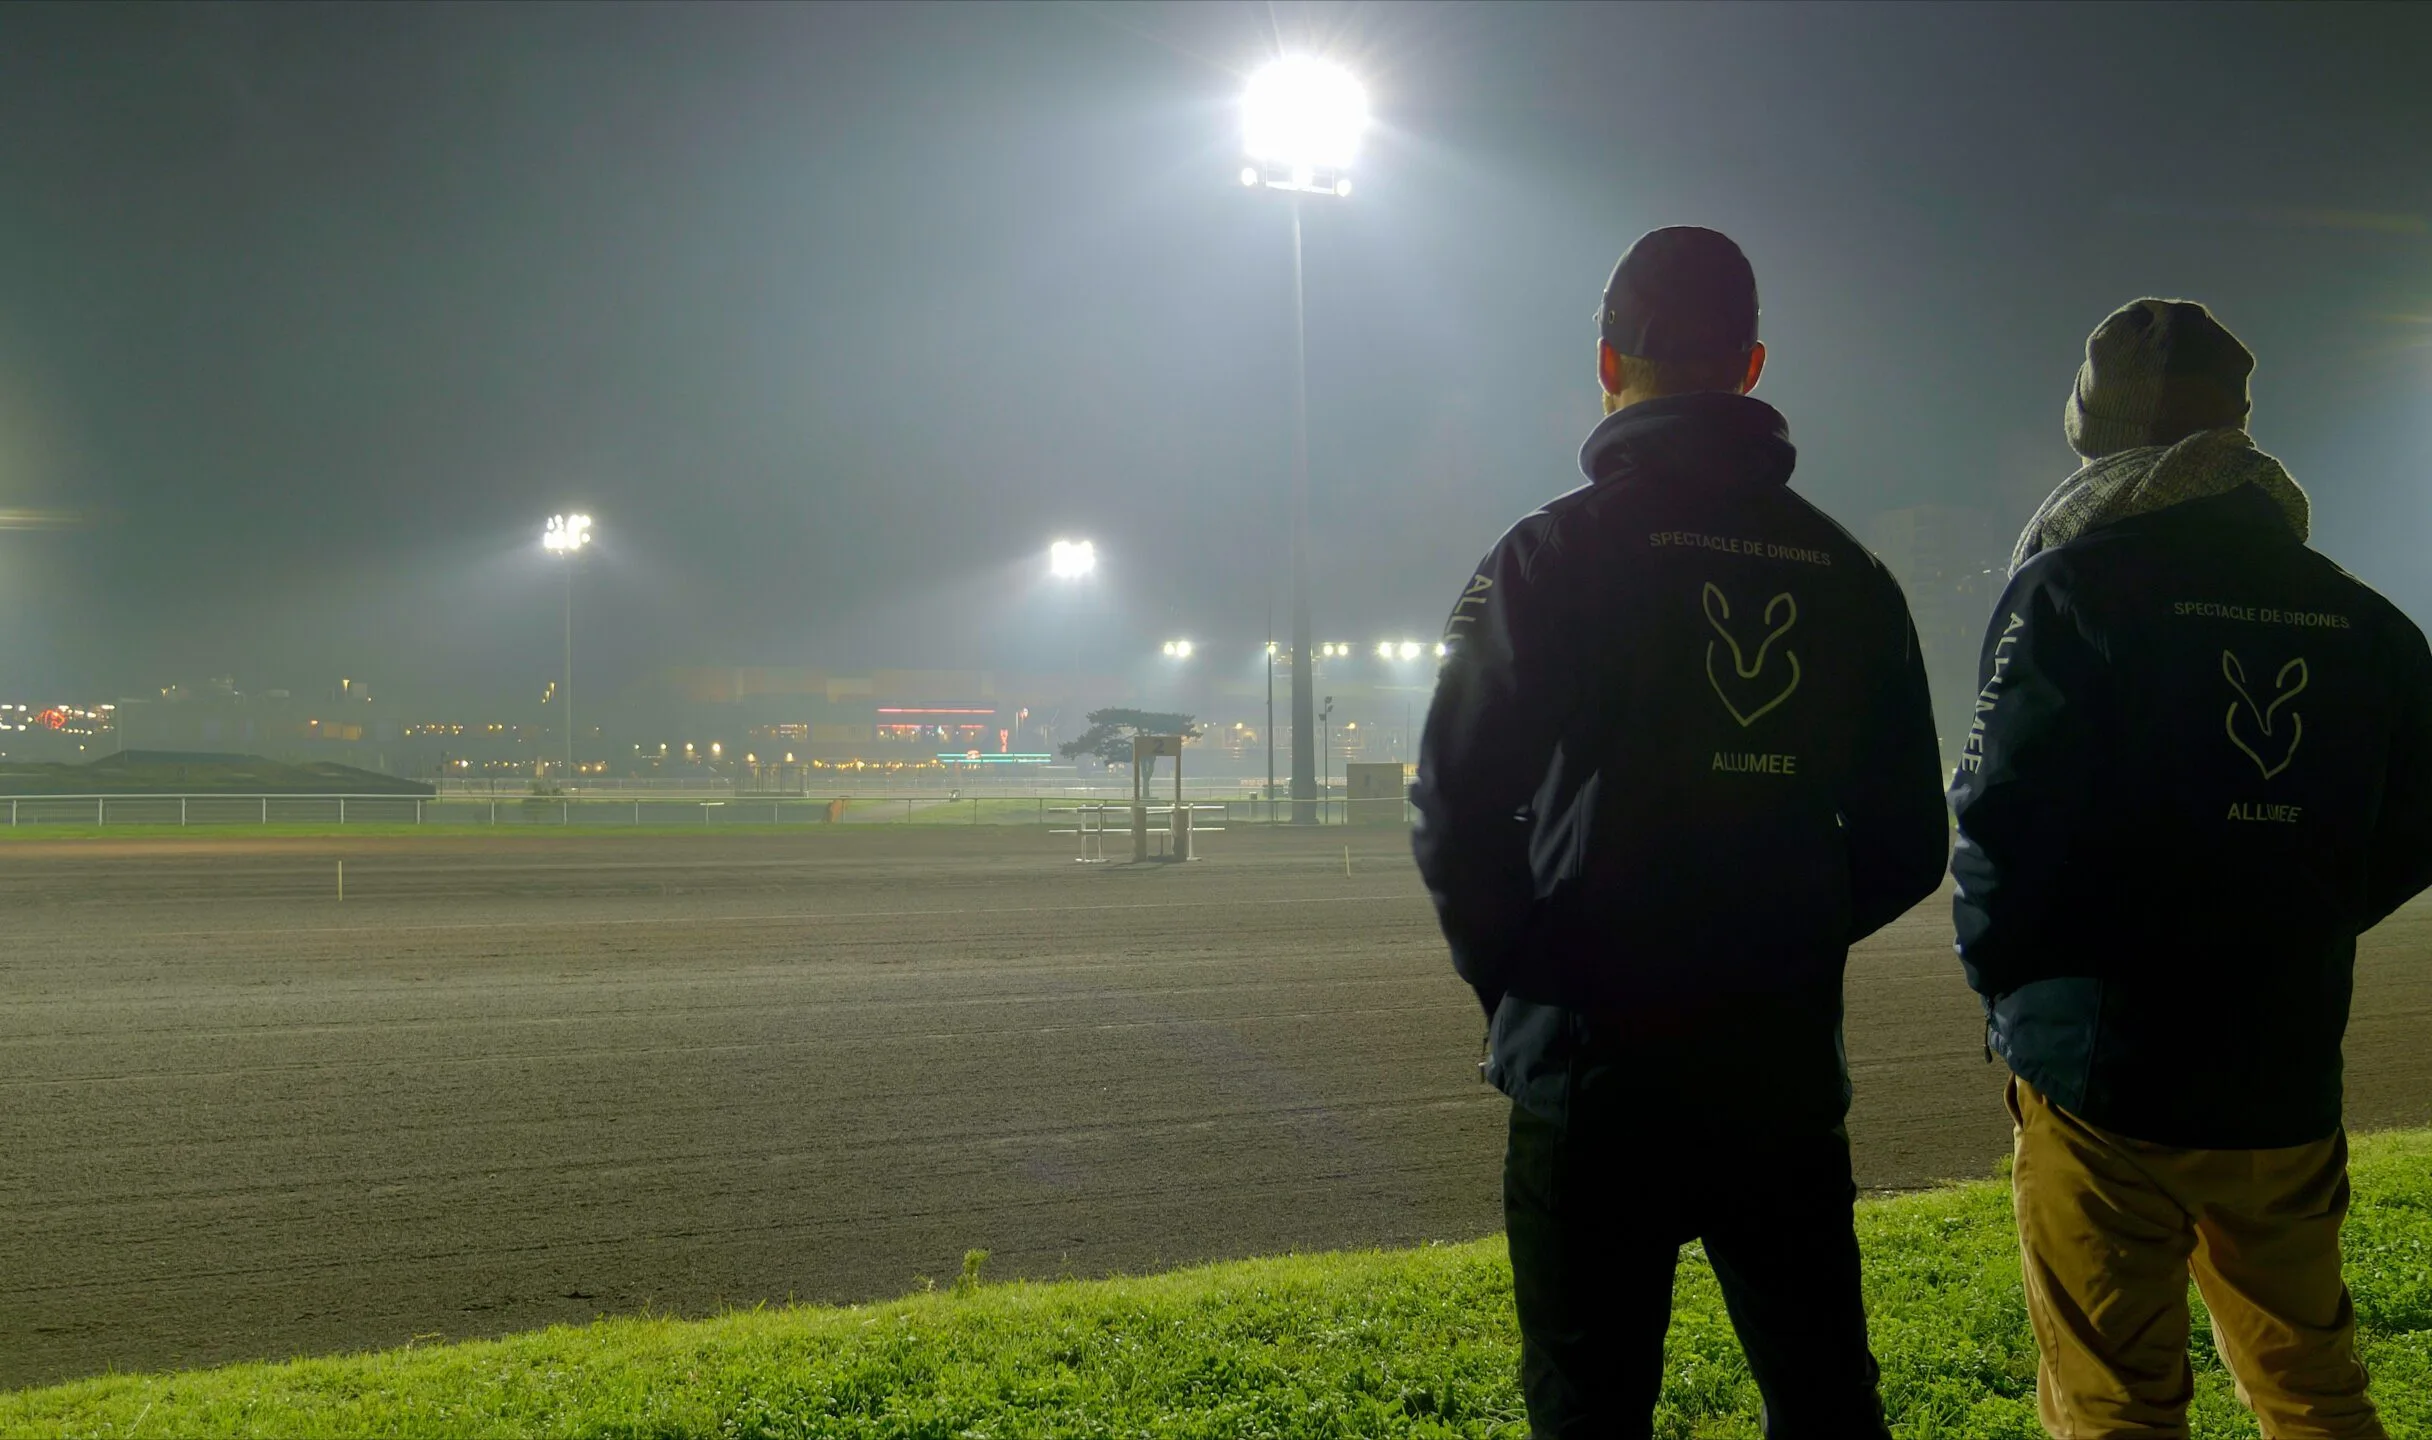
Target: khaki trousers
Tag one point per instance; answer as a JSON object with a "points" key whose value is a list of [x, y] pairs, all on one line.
{"points": [[2109, 1229]]}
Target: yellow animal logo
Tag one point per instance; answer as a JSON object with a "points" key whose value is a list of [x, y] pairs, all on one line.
{"points": [[1717, 606], [2286, 686]]}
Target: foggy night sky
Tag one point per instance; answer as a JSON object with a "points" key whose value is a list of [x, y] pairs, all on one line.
{"points": [[834, 316]]}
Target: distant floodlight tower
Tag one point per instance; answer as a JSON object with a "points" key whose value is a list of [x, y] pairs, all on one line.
{"points": [[565, 536], [1071, 559], [1179, 649], [1301, 123]]}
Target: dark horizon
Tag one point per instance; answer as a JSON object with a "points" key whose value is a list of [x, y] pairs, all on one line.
{"points": [[834, 317]]}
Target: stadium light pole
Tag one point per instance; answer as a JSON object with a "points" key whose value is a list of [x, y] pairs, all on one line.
{"points": [[1073, 561], [1301, 121], [1270, 733], [565, 536]]}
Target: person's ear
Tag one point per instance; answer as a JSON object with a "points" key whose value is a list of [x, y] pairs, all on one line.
{"points": [[1608, 367], [1756, 367]]}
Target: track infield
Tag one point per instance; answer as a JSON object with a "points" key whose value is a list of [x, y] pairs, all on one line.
{"points": [[518, 1080]]}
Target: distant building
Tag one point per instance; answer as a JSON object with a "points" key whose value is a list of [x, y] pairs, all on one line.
{"points": [[56, 730], [1953, 562]]}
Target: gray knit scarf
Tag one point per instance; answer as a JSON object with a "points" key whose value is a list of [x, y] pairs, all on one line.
{"points": [[2155, 477]]}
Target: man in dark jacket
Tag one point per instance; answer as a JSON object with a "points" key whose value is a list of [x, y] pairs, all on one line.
{"points": [[2201, 766], [1680, 757]]}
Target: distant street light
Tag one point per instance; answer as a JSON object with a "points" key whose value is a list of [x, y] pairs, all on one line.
{"points": [[1301, 122], [1325, 726], [1178, 649], [565, 536]]}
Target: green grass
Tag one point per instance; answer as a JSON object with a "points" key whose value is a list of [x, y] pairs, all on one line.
{"points": [[1405, 1343]]}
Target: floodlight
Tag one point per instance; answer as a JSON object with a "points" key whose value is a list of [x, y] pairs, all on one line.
{"points": [[565, 534], [1384, 649], [1410, 649], [1303, 113], [1178, 649], [1071, 559]]}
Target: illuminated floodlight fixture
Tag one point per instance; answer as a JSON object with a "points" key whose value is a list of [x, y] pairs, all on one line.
{"points": [[1071, 559], [565, 534], [1442, 649], [1178, 649], [1334, 649], [1301, 123]]}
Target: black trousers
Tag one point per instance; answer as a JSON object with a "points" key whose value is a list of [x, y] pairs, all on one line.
{"points": [[1596, 1215]]}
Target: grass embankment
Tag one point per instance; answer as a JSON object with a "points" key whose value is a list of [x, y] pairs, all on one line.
{"points": [[1416, 1343], [379, 830]]}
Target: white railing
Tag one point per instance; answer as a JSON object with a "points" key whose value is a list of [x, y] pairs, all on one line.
{"points": [[872, 784], [1039, 809]]}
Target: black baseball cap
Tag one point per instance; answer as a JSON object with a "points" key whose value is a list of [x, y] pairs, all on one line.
{"points": [[1681, 293]]}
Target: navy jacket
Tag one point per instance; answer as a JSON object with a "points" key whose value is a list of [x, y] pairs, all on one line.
{"points": [[1680, 757], [2201, 766]]}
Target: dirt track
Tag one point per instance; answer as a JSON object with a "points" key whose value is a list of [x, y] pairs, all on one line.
{"points": [[514, 1080]]}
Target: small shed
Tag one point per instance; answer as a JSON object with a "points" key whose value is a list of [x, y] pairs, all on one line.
{"points": [[1376, 792]]}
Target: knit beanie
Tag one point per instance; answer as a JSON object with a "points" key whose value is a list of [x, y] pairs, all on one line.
{"points": [[2156, 372]]}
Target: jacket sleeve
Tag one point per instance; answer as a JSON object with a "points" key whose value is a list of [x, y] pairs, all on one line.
{"points": [[2399, 865], [1899, 830], [2024, 791], [1503, 696]]}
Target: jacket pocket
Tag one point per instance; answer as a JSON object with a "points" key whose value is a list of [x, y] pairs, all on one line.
{"points": [[2046, 1030]]}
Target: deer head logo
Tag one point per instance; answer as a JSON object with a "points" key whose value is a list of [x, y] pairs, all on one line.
{"points": [[2286, 686], [1718, 615]]}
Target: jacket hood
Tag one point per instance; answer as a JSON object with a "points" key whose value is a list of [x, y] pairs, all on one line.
{"points": [[1708, 437]]}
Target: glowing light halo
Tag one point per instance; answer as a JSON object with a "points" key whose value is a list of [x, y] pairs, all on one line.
{"points": [[565, 534], [1303, 113], [1071, 559]]}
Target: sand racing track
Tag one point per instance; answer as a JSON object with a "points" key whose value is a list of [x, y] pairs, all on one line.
{"points": [[513, 1080]]}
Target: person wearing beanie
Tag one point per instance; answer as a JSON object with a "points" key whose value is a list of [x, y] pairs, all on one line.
{"points": [[1680, 758], [2201, 766]]}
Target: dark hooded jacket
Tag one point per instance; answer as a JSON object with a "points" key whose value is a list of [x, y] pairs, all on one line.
{"points": [[1681, 756], [2201, 766]]}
